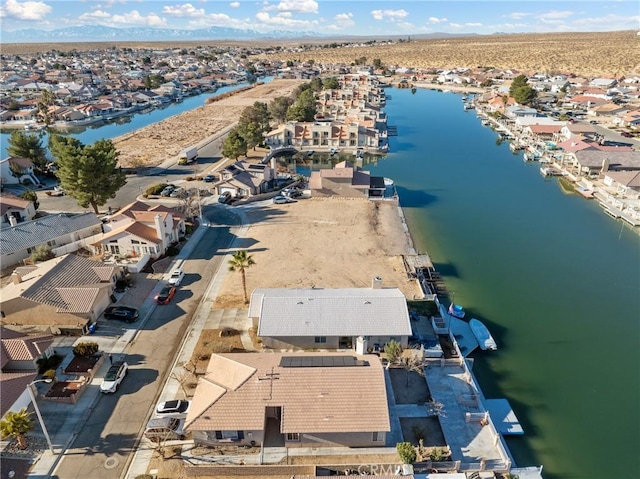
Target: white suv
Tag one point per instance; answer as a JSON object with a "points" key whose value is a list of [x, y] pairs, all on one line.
{"points": [[176, 277]]}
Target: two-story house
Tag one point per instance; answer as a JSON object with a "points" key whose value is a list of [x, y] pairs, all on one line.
{"points": [[14, 210]]}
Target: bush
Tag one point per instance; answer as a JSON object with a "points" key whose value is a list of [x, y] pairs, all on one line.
{"points": [[45, 364], [438, 454], [41, 253], [172, 250], [85, 349], [49, 374], [155, 189], [406, 452]]}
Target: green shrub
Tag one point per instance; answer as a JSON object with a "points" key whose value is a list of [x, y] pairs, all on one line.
{"points": [[52, 362], [41, 253], [438, 454], [172, 250], [49, 374], [155, 189], [406, 452], [85, 349]]}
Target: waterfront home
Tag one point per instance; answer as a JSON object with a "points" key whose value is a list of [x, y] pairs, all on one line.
{"points": [[19, 354], [542, 132], [244, 179], [61, 232], [577, 131], [141, 232], [61, 296], [347, 181], [14, 210], [519, 111], [594, 163], [17, 170], [626, 183], [291, 400], [362, 319]]}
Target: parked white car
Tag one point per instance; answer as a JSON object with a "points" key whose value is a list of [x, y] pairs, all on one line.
{"points": [[114, 377], [177, 408], [176, 277]]}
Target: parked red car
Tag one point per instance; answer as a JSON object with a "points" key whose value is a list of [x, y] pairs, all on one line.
{"points": [[165, 295]]}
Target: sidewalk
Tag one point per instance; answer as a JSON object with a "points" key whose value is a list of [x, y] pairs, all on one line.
{"points": [[171, 389], [63, 421]]}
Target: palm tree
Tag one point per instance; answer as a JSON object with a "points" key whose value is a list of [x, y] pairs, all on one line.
{"points": [[17, 424], [241, 261]]}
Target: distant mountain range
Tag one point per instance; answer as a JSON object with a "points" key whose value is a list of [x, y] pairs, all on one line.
{"points": [[98, 33]]}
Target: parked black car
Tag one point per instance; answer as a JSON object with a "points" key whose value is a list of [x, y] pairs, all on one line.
{"points": [[123, 313]]}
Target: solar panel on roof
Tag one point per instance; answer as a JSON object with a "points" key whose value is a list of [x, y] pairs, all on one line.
{"points": [[320, 362]]}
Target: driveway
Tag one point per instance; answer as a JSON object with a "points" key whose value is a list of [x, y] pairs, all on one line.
{"points": [[104, 446]]}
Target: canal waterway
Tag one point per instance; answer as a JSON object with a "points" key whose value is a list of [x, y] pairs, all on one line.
{"points": [[121, 126], [555, 279]]}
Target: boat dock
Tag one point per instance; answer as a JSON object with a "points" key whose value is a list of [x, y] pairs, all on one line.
{"points": [[550, 171], [420, 268]]}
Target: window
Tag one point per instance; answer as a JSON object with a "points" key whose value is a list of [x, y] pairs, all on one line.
{"points": [[320, 339], [293, 436], [377, 437], [229, 434], [51, 243]]}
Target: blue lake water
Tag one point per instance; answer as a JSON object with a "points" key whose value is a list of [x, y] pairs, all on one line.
{"points": [[555, 279], [128, 124]]}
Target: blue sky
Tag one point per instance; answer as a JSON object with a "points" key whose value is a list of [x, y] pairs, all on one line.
{"points": [[355, 17]]}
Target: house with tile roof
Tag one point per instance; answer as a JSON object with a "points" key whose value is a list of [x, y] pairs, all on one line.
{"points": [[14, 210], [243, 179], [60, 296], [64, 232], [18, 367], [594, 163], [141, 231], [347, 181], [17, 170], [330, 318], [291, 400]]}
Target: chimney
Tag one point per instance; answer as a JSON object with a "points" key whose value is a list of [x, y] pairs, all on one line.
{"points": [[16, 277], [605, 165], [160, 228], [376, 283], [273, 164], [13, 221]]}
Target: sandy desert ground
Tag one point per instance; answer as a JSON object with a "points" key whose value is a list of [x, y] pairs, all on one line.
{"points": [[154, 144], [332, 243], [590, 54]]}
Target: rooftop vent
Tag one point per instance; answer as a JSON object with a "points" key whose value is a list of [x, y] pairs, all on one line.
{"points": [[376, 283]]}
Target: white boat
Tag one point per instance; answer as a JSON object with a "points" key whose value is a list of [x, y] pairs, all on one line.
{"points": [[482, 334], [456, 310]]}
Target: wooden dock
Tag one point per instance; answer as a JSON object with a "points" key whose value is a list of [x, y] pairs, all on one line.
{"points": [[420, 267]]}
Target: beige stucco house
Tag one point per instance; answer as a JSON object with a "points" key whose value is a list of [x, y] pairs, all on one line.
{"points": [[141, 231], [60, 296], [14, 210], [291, 400]]}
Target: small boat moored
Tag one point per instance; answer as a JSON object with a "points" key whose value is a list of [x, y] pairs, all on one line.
{"points": [[482, 334], [456, 310]]}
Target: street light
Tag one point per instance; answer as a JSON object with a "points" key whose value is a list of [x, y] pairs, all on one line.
{"points": [[35, 406]]}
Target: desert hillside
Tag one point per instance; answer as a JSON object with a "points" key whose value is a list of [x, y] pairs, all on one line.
{"points": [[589, 54]]}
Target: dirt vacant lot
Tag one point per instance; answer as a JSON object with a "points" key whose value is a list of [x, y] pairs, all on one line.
{"points": [[336, 243]]}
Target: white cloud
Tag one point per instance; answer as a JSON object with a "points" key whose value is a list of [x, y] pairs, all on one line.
{"points": [[555, 15], [516, 15], [606, 23], [473, 24], [436, 20], [134, 18], [234, 4], [298, 6], [344, 20], [98, 15], [184, 10], [390, 14], [24, 10], [455, 25], [284, 20]]}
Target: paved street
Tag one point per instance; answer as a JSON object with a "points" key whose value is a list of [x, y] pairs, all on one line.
{"points": [[103, 447]]}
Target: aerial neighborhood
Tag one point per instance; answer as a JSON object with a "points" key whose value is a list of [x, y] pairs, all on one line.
{"points": [[262, 362]]}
